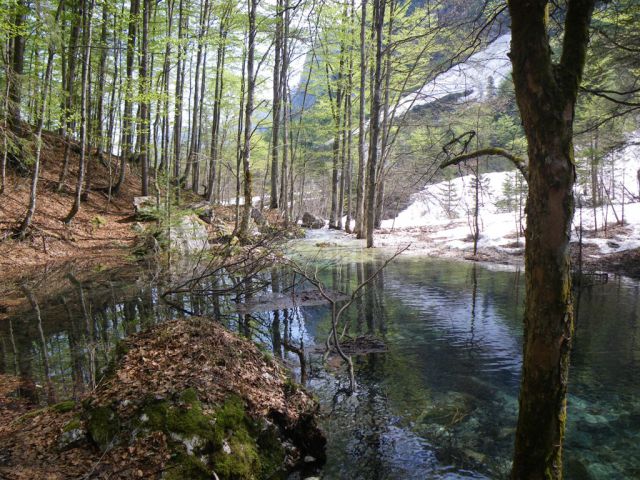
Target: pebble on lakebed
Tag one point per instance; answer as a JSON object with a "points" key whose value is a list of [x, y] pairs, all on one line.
{"points": [[185, 399]]}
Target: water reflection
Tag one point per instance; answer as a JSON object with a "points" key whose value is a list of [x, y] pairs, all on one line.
{"points": [[439, 402]]}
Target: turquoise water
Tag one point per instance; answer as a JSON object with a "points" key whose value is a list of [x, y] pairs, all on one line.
{"points": [[440, 402]]}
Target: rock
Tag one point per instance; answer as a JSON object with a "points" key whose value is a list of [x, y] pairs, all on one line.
{"points": [[576, 469], [145, 207], [72, 434], [612, 244], [309, 220], [137, 227], [204, 210], [256, 215], [189, 235]]}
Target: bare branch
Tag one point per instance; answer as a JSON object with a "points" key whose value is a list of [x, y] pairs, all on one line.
{"points": [[519, 162]]}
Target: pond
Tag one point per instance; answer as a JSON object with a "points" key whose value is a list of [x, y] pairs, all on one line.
{"points": [[437, 398]]}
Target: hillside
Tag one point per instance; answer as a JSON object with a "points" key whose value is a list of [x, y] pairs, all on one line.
{"points": [[101, 232]]}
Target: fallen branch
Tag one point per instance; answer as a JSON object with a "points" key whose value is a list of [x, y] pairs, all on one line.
{"points": [[337, 313]]}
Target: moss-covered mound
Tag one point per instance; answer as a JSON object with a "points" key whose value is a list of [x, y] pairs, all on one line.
{"points": [[186, 400]]}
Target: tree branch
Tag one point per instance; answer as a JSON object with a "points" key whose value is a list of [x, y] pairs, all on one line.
{"points": [[520, 163]]}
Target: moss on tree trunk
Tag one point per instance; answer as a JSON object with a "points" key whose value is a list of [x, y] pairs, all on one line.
{"points": [[546, 94]]}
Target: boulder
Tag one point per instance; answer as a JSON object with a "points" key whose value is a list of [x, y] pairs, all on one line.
{"points": [[204, 210], [309, 220], [189, 235], [256, 215], [145, 207]]}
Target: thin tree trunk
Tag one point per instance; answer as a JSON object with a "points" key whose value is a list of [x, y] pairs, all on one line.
{"points": [[127, 120], [361, 125], [87, 12], [193, 143], [286, 144], [277, 96], [144, 89], [217, 101], [246, 149], [69, 104], [239, 152], [379, 6], [349, 127], [179, 92], [26, 222]]}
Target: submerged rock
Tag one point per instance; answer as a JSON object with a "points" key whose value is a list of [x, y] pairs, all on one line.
{"points": [[186, 400]]}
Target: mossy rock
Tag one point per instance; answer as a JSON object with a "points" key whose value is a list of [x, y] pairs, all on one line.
{"points": [[103, 426], [64, 407], [226, 440]]}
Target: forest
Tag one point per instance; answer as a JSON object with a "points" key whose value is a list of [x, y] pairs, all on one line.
{"points": [[273, 239]]}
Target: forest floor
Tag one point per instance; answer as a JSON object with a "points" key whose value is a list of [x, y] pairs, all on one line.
{"points": [[101, 232], [185, 399]]}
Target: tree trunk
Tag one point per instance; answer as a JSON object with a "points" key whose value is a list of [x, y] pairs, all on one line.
{"points": [[546, 95], [277, 96], [87, 12], [378, 11], [217, 101], [246, 149], [179, 92], [17, 65], [127, 120], [286, 119], [68, 103], [362, 133], [145, 81], [26, 222], [239, 136]]}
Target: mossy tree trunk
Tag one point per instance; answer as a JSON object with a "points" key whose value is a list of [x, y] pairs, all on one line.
{"points": [[546, 95]]}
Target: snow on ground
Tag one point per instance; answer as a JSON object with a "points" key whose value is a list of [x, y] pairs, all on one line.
{"points": [[469, 79], [440, 218]]}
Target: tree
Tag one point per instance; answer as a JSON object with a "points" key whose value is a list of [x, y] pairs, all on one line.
{"points": [[26, 222], [362, 132], [378, 15], [87, 12], [248, 129], [546, 93], [275, 109], [17, 65]]}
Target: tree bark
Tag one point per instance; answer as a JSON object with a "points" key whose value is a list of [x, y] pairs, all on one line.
{"points": [[546, 95], [217, 101], [17, 66], [246, 149], [378, 11], [87, 12], [68, 103], [26, 222], [179, 92], [362, 133], [127, 120], [145, 82], [275, 111]]}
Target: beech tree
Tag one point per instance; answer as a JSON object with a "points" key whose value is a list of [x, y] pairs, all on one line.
{"points": [[546, 92]]}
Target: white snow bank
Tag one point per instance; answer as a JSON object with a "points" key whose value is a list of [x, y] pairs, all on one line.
{"points": [[445, 210]]}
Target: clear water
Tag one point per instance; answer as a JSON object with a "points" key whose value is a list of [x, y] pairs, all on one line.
{"points": [[441, 402]]}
